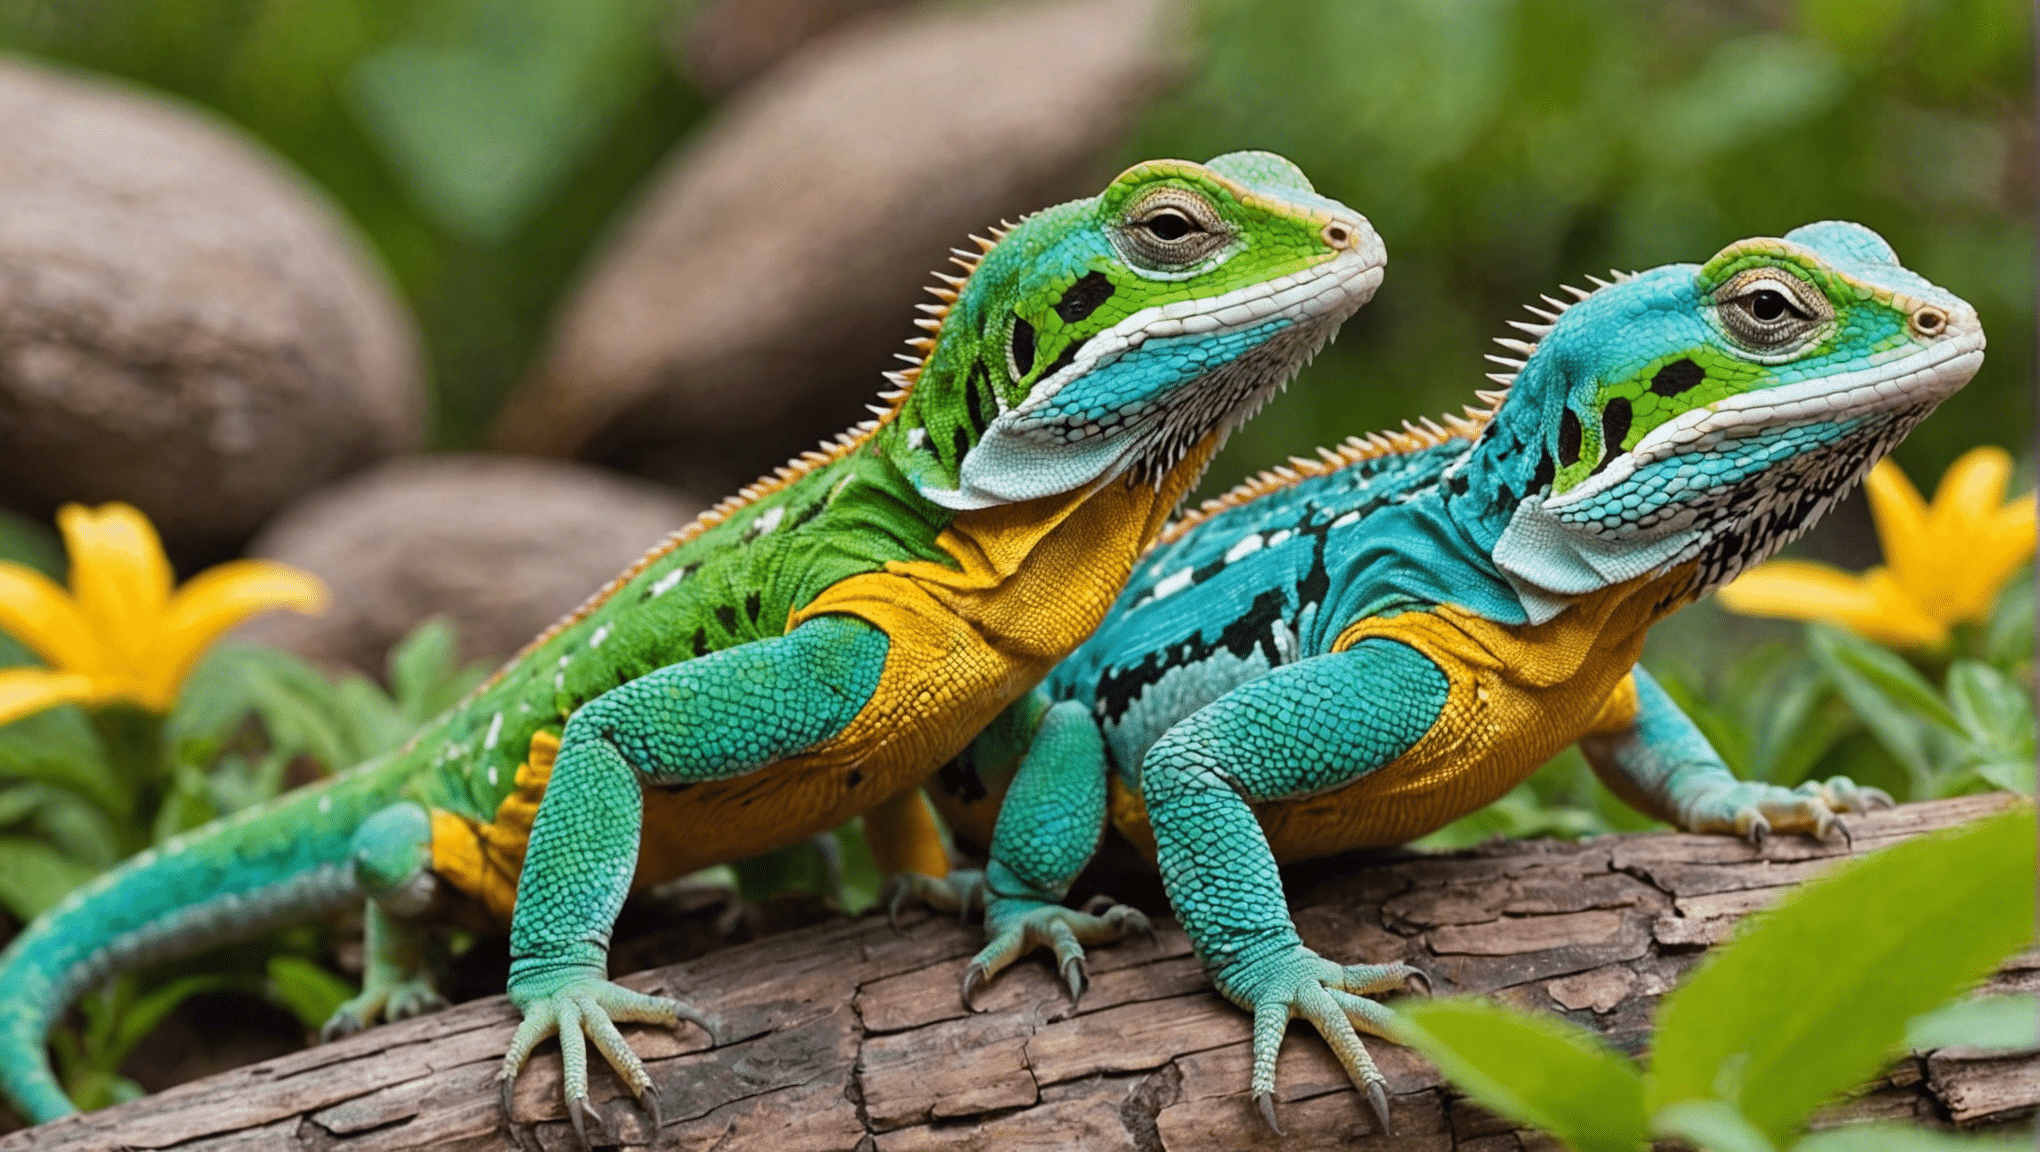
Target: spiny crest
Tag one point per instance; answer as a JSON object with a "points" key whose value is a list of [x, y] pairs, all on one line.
{"points": [[1413, 437], [902, 381]]}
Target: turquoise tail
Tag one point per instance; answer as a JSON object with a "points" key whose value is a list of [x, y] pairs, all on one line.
{"points": [[279, 863]]}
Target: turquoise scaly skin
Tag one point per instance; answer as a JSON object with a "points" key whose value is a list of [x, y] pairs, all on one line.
{"points": [[1358, 650], [805, 651]]}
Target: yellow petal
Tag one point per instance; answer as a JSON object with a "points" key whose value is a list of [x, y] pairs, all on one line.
{"points": [[44, 617], [26, 691], [1901, 518], [212, 602], [1973, 487], [1871, 605], [119, 576]]}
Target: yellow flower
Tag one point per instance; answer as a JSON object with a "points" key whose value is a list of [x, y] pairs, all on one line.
{"points": [[1944, 562], [120, 634]]}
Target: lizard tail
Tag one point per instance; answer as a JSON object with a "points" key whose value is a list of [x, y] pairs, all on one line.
{"points": [[282, 862]]}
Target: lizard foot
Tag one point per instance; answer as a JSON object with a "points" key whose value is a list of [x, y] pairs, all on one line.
{"points": [[1298, 982], [1754, 810], [1018, 926], [391, 1000], [956, 892], [583, 1009]]}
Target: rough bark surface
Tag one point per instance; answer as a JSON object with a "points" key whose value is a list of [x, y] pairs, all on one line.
{"points": [[848, 1036]]}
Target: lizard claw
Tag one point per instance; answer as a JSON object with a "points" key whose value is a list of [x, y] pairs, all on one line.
{"points": [[657, 1114], [1379, 1099], [1848, 838], [1418, 982], [580, 1112], [972, 977], [897, 888], [1074, 976], [1266, 1102]]}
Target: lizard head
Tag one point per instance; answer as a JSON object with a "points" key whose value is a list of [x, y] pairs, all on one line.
{"points": [[1108, 337], [1712, 414]]}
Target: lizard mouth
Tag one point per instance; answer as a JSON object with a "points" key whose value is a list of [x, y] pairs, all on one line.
{"points": [[1919, 379]]}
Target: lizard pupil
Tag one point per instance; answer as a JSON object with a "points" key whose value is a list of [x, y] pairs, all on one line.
{"points": [[1167, 225], [1768, 305], [1023, 347]]}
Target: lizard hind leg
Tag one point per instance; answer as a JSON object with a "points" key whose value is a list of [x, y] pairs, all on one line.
{"points": [[392, 855]]}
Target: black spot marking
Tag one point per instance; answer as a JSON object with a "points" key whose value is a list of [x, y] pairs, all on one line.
{"points": [[1084, 297], [1063, 358], [1458, 484], [752, 602], [1023, 346], [701, 641], [961, 441], [1568, 438], [977, 403], [727, 617], [1540, 480], [1677, 377], [1615, 420], [961, 781], [855, 778]]}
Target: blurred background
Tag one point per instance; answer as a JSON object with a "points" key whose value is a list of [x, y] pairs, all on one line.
{"points": [[461, 304], [679, 241]]}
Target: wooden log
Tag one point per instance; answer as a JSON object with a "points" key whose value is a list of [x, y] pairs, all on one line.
{"points": [[849, 1036]]}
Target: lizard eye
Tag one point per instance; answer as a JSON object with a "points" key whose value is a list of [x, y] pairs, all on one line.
{"points": [[1767, 311], [1172, 229]]}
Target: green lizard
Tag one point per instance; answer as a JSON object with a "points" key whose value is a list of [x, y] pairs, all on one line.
{"points": [[801, 653], [1355, 651]]}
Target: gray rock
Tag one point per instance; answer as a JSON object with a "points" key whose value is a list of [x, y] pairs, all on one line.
{"points": [[184, 325], [502, 545], [723, 44], [749, 305]]}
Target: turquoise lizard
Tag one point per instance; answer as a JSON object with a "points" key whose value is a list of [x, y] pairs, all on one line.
{"points": [[1356, 650], [803, 652]]}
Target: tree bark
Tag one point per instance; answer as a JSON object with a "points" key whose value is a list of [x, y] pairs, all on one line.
{"points": [[849, 1036]]}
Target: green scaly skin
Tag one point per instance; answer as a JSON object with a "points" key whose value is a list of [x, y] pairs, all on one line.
{"points": [[762, 675], [1357, 651]]}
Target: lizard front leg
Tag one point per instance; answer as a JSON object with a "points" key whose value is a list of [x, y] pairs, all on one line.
{"points": [[1306, 727], [1655, 758], [392, 857], [711, 718]]}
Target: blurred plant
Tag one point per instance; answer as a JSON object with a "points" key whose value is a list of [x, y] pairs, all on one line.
{"points": [[120, 636], [154, 746], [1945, 562], [1809, 1001]]}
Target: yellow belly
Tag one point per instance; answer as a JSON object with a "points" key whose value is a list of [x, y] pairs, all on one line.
{"points": [[1026, 584], [1516, 696]]}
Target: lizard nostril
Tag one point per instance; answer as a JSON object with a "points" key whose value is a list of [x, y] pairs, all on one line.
{"points": [[1338, 234], [1929, 321]]}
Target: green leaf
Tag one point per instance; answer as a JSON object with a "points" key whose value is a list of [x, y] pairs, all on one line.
{"points": [[2008, 635], [1882, 670], [484, 119], [34, 876], [1898, 1138], [1995, 711], [310, 992], [30, 543], [139, 1018], [1814, 996], [1535, 1070], [1710, 1124], [2009, 1022], [424, 678]]}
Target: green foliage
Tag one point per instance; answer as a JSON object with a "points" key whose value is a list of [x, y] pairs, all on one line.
{"points": [[1504, 146], [79, 791], [1808, 1001]]}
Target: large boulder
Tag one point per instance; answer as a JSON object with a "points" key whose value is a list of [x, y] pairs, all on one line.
{"points": [[184, 324], [770, 272], [723, 44], [504, 546]]}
